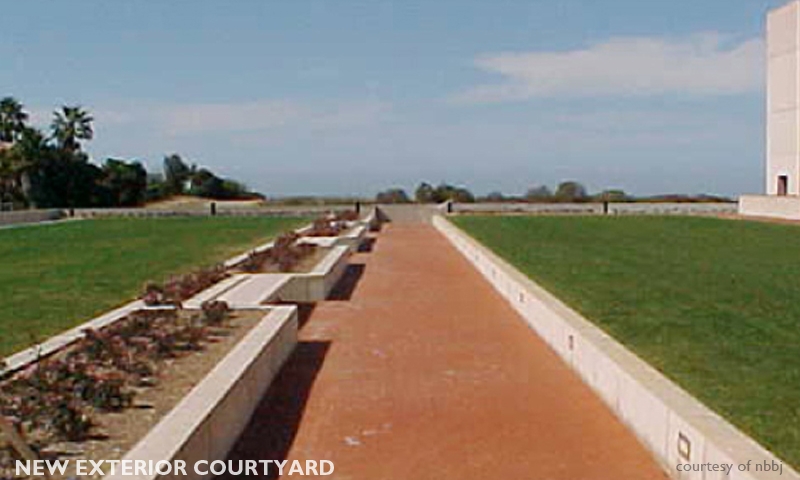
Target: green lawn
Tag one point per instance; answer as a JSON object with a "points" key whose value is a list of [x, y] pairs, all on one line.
{"points": [[55, 276], [714, 304]]}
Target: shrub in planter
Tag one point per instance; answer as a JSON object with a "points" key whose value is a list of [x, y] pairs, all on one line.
{"points": [[54, 399], [325, 227], [214, 312], [180, 288], [284, 254], [347, 216]]}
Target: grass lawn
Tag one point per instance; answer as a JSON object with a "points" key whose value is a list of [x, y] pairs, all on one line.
{"points": [[54, 277], [714, 304]]}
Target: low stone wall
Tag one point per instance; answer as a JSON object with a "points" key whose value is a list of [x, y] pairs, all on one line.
{"points": [[671, 423], [787, 207], [22, 217], [407, 213], [208, 421], [278, 211], [622, 208]]}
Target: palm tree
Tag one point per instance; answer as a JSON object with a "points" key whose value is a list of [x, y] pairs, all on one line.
{"points": [[70, 125], [12, 119], [22, 159]]}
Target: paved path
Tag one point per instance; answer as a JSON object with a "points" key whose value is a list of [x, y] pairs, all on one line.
{"points": [[423, 372]]}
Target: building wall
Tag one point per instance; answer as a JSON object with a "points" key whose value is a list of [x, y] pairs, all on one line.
{"points": [[783, 98]]}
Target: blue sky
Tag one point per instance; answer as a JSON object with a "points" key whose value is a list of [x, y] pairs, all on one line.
{"points": [[301, 97]]}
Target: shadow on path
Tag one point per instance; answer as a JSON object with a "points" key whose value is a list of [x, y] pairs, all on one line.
{"points": [[274, 424]]}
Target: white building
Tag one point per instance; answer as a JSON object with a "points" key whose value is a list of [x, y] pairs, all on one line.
{"points": [[782, 197]]}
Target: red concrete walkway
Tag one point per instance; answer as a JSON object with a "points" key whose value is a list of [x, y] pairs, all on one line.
{"points": [[423, 372]]}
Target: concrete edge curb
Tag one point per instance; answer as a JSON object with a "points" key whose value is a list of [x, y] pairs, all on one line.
{"points": [[671, 423]]}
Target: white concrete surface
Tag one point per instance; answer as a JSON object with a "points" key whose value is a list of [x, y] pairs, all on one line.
{"points": [[316, 285], [352, 238], [664, 417], [787, 207], [209, 420], [323, 242], [783, 98], [255, 289], [372, 219], [243, 291]]}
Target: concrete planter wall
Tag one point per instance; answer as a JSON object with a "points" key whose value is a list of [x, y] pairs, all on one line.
{"points": [[671, 423], [208, 421], [316, 285], [254, 289], [372, 220], [787, 207], [352, 239]]}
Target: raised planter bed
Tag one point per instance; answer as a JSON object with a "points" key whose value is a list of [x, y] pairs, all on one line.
{"points": [[208, 421], [255, 289], [373, 220], [318, 283], [352, 238], [202, 397]]}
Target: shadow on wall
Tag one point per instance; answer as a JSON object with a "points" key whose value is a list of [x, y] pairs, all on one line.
{"points": [[344, 288], [275, 422], [367, 245]]}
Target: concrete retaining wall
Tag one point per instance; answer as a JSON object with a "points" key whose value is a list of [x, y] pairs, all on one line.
{"points": [[22, 217], [770, 206], [407, 213], [372, 220], [252, 290], [208, 421], [316, 285], [675, 426]]}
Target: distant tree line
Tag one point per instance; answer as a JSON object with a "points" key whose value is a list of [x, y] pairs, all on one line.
{"points": [[566, 192], [51, 170]]}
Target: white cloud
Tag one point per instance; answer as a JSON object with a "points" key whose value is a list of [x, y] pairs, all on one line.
{"points": [[703, 64], [229, 117], [253, 117]]}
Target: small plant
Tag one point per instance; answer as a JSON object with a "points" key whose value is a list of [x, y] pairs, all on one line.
{"points": [[214, 312], [284, 255], [325, 227], [180, 288], [153, 294], [70, 422], [54, 398], [255, 261], [346, 216], [109, 392]]}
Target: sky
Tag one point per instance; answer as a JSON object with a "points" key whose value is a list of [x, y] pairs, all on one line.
{"points": [[297, 97]]}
